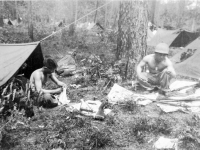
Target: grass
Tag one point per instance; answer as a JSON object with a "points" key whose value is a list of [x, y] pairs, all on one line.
{"points": [[129, 107], [128, 126]]}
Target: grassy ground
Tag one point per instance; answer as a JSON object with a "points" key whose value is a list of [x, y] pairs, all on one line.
{"points": [[128, 126]]}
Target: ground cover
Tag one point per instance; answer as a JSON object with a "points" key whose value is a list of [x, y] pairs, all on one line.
{"points": [[128, 126]]}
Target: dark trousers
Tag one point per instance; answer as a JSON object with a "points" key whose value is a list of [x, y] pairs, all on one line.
{"points": [[45, 100]]}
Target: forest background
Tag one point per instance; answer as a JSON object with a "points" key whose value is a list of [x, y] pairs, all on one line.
{"points": [[40, 17], [128, 126]]}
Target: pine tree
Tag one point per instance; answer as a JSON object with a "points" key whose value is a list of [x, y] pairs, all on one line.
{"points": [[132, 34]]}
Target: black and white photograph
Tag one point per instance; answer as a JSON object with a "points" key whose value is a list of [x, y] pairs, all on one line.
{"points": [[99, 74]]}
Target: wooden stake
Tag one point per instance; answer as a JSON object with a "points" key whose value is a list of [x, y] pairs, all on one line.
{"points": [[4, 90]]}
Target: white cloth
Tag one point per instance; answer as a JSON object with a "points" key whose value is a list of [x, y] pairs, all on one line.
{"points": [[63, 97]]}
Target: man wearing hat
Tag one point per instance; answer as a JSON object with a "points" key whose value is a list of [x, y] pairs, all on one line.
{"points": [[37, 84], [159, 70]]}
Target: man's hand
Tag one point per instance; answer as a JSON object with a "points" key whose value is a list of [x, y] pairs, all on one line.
{"points": [[63, 85], [170, 72], [60, 90], [167, 71], [53, 91]]}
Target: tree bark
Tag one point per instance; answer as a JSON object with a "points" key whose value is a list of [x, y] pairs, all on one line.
{"points": [[1, 14], [1, 21], [153, 11], [106, 11], [132, 34], [72, 20], [76, 11], [181, 9], [15, 10], [95, 16], [195, 17], [115, 13], [30, 24]]}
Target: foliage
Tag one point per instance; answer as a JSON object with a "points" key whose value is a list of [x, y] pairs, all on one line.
{"points": [[14, 97], [129, 107], [142, 127], [66, 132], [190, 136], [9, 34], [178, 14], [59, 128]]}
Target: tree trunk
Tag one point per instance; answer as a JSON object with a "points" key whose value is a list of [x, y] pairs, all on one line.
{"points": [[1, 14], [153, 11], [195, 17], [76, 11], [110, 14], [156, 13], [115, 13], [1, 21], [181, 9], [72, 20], [95, 16], [132, 34], [30, 24], [15, 10], [105, 21]]}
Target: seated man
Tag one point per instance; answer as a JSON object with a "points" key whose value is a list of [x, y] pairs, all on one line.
{"points": [[37, 82], [160, 68]]}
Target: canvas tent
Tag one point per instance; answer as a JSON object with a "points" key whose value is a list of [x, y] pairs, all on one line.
{"points": [[174, 38], [191, 66], [162, 35], [12, 22], [184, 38], [12, 56], [193, 45]]}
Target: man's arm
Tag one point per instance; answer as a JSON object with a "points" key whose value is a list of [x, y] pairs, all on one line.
{"points": [[38, 86], [170, 68], [140, 66], [56, 81]]}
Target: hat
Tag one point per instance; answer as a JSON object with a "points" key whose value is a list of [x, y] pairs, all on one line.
{"points": [[162, 48]]}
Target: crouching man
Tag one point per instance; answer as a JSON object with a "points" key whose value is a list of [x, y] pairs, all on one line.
{"points": [[160, 70], [39, 77]]}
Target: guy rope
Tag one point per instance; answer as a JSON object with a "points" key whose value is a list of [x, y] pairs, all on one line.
{"points": [[74, 21]]}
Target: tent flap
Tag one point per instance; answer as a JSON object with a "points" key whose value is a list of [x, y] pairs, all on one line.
{"points": [[174, 38], [184, 38], [191, 66], [12, 56]]}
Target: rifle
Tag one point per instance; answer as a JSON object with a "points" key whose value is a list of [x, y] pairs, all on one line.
{"points": [[187, 86]]}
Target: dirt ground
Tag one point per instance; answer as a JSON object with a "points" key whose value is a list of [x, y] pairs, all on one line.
{"points": [[127, 127]]}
